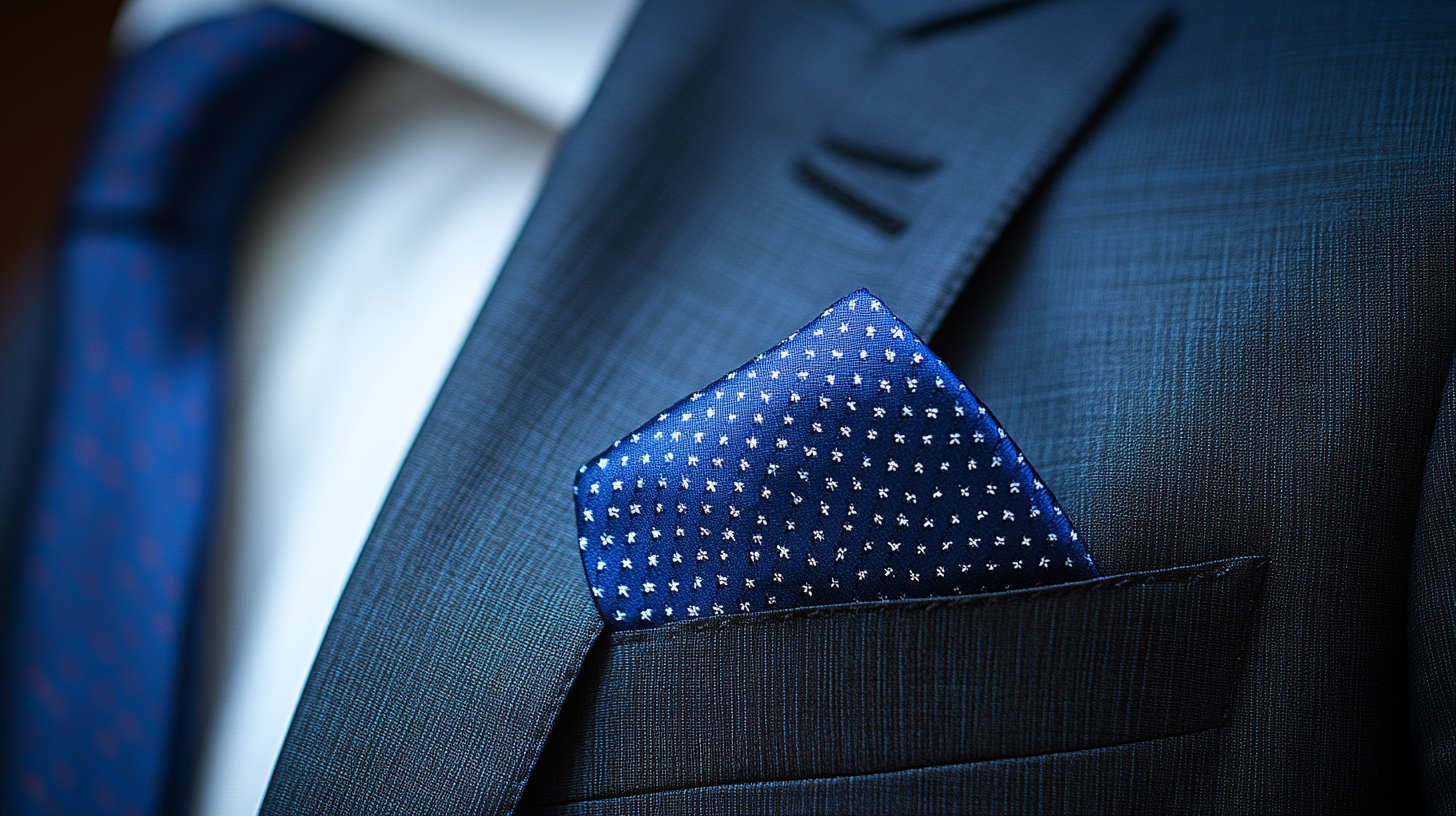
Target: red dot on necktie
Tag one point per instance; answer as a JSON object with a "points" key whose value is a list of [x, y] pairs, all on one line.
{"points": [[161, 387], [117, 181], [164, 98], [137, 343], [86, 448], [119, 382], [128, 726], [34, 787], [47, 526], [104, 696], [193, 411], [139, 270], [171, 587], [150, 551], [96, 355], [189, 486], [164, 627], [38, 685], [112, 472], [142, 457], [63, 774], [169, 437]]}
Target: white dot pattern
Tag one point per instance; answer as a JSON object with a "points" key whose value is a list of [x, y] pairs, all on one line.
{"points": [[845, 464]]}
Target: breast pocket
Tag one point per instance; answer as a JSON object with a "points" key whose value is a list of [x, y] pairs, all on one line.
{"points": [[881, 687]]}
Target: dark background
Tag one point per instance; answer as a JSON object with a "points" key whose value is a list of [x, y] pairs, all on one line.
{"points": [[53, 57]]}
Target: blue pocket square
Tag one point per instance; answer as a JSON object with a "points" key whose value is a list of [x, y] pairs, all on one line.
{"points": [[845, 464]]}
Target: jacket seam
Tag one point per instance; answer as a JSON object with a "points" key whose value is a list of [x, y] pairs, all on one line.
{"points": [[1221, 724], [966, 602]]}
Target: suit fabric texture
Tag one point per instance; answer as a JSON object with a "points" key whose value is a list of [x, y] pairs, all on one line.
{"points": [[1198, 259], [1212, 299]]}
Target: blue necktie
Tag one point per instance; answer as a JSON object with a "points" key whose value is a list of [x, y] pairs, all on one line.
{"points": [[845, 464], [96, 663]]}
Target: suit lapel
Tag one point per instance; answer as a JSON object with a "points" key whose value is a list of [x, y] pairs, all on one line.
{"points": [[914, 16], [743, 165]]}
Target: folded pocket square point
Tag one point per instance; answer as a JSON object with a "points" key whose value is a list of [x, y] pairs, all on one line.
{"points": [[845, 464]]}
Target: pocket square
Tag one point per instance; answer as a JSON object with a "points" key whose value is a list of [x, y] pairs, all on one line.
{"points": [[845, 464]]}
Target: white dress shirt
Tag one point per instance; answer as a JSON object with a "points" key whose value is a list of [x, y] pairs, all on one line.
{"points": [[368, 255]]}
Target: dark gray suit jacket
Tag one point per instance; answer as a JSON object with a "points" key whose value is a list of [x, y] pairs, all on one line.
{"points": [[1199, 258]]}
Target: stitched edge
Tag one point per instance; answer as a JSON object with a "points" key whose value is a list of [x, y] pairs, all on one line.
{"points": [[1254, 565], [541, 732], [1256, 597], [1101, 89], [566, 805], [1176, 575]]}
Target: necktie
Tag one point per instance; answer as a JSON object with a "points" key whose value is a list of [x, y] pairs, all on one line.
{"points": [[95, 663], [845, 464]]}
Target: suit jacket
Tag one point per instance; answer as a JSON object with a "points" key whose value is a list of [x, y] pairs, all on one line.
{"points": [[1199, 259]]}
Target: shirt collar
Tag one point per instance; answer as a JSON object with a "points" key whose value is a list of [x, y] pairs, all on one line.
{"points": [[542, 57]]}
